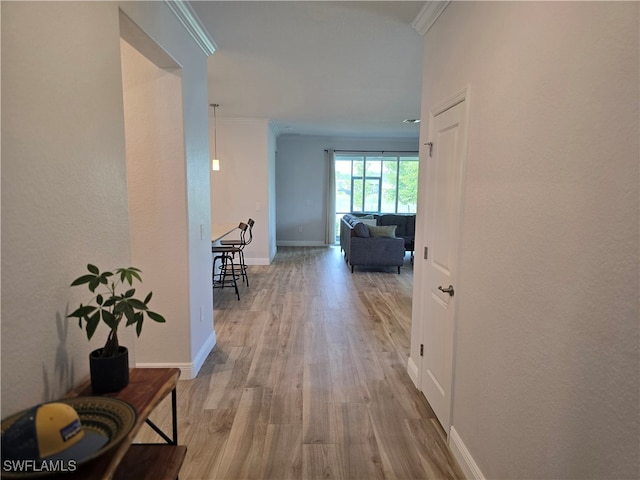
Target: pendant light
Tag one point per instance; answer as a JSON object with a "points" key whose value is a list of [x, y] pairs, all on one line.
{"points": [[215, 163]]}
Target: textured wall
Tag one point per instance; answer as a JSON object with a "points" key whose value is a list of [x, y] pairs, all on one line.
{"points": [[546, 370], [64, 196], [240, 189], [192, 184], [64, 188], [157, 201]]}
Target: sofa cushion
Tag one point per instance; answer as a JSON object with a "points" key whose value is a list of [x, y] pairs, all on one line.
{"points": [[361, 230], [393, 219], [411, 225], [383, 231]]}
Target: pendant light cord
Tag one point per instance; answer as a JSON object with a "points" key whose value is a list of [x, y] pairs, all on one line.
{"points": [[215, 131]]}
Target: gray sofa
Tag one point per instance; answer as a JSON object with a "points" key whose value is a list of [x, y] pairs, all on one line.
{"points": [[405, 227], [362, 249]]}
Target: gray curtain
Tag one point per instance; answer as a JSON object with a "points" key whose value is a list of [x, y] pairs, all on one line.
{"points": [[330, 220]]}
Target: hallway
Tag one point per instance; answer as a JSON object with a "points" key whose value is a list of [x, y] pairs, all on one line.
{"points": [[308, 379]]}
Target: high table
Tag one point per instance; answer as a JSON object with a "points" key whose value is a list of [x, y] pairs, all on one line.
{"points": [[219, 230], [147, 388]]}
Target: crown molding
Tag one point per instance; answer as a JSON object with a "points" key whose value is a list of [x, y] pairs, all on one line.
{"points": [[192, 24], [428, 15]]}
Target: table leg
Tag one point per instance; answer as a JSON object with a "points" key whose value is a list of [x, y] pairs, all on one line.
{"points": [[174, 422]]}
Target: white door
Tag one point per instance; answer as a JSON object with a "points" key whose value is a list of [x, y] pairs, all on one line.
{"points": [[445, 170]]}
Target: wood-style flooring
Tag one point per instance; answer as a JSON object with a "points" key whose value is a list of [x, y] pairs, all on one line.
{"points": [[308, 380]]}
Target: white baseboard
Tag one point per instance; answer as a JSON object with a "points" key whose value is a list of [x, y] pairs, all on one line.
{"points": [[190, 370], [204, 353], [301, 243], [465, 460], [186, 369], [412, 370]]}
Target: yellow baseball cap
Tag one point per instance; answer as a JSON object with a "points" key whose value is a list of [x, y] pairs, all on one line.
{"points": [[57, 427], [49, 431]]}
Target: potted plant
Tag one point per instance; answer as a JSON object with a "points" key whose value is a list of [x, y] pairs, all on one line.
{"points": [[112, 303]]}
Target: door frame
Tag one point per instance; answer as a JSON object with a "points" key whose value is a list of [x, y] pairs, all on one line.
{"points": [[440, 107]]}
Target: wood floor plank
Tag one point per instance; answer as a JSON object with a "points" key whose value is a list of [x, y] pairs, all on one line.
{"points": [[346, 384], [317, 411], [308, 380], [321, 462], [228, 379], [397, 446], [283, 452], [288, 392], [206, 438], [436, 458], [242, 456]]}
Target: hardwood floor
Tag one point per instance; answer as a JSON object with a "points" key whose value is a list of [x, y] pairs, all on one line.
{"points": [[308, 380]]}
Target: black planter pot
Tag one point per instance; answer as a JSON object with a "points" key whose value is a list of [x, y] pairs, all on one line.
{"points": [[109, 374]]}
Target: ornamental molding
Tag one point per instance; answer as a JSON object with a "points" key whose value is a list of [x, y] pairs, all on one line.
{"points": [[428, 15], [192, 24]]}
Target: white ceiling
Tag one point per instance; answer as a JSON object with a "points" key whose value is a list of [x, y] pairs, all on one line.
{"points": [[317, 68]]}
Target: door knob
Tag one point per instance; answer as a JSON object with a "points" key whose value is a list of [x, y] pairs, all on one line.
{"points": [[448, 290]]}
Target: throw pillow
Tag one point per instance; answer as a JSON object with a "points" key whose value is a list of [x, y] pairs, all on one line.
{"points": [[383, 231], [361, 230], [369, 221]]}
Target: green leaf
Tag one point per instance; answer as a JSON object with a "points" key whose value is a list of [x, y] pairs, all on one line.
{"points": [[130, 293], [109, 319], [134, 273], [82, 311], [136, 318], [110, 302], [128, 311], [139, 326], [137, 304], [148, 298], [93, 284], [92, 324], [82, 279], [93, 269], [99, 299], [156, 317]]}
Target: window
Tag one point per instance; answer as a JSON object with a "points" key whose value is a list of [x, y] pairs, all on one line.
{"points": [[375, 183]]}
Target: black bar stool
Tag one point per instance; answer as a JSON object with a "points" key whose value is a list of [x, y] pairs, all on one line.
{"points": [[241, 243], [226, 274]]}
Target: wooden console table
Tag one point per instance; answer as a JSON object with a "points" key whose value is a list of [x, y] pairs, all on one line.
{"points": [[147, 388]]}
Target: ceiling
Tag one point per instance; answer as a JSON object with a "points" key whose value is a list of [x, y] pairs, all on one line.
{"points": [[317, 68]]}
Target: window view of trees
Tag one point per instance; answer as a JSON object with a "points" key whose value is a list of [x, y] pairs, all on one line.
{"points": [[376, 184]]}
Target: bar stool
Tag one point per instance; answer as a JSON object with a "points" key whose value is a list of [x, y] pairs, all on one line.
{"points": [[241, 243], [223, 277]]}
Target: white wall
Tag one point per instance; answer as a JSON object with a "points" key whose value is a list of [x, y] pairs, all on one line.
{"points": [[301, 179], [157, 201], [240, 189], [271, 172], [546, 366], [156, 19], [64, 189], [64, 195]]}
